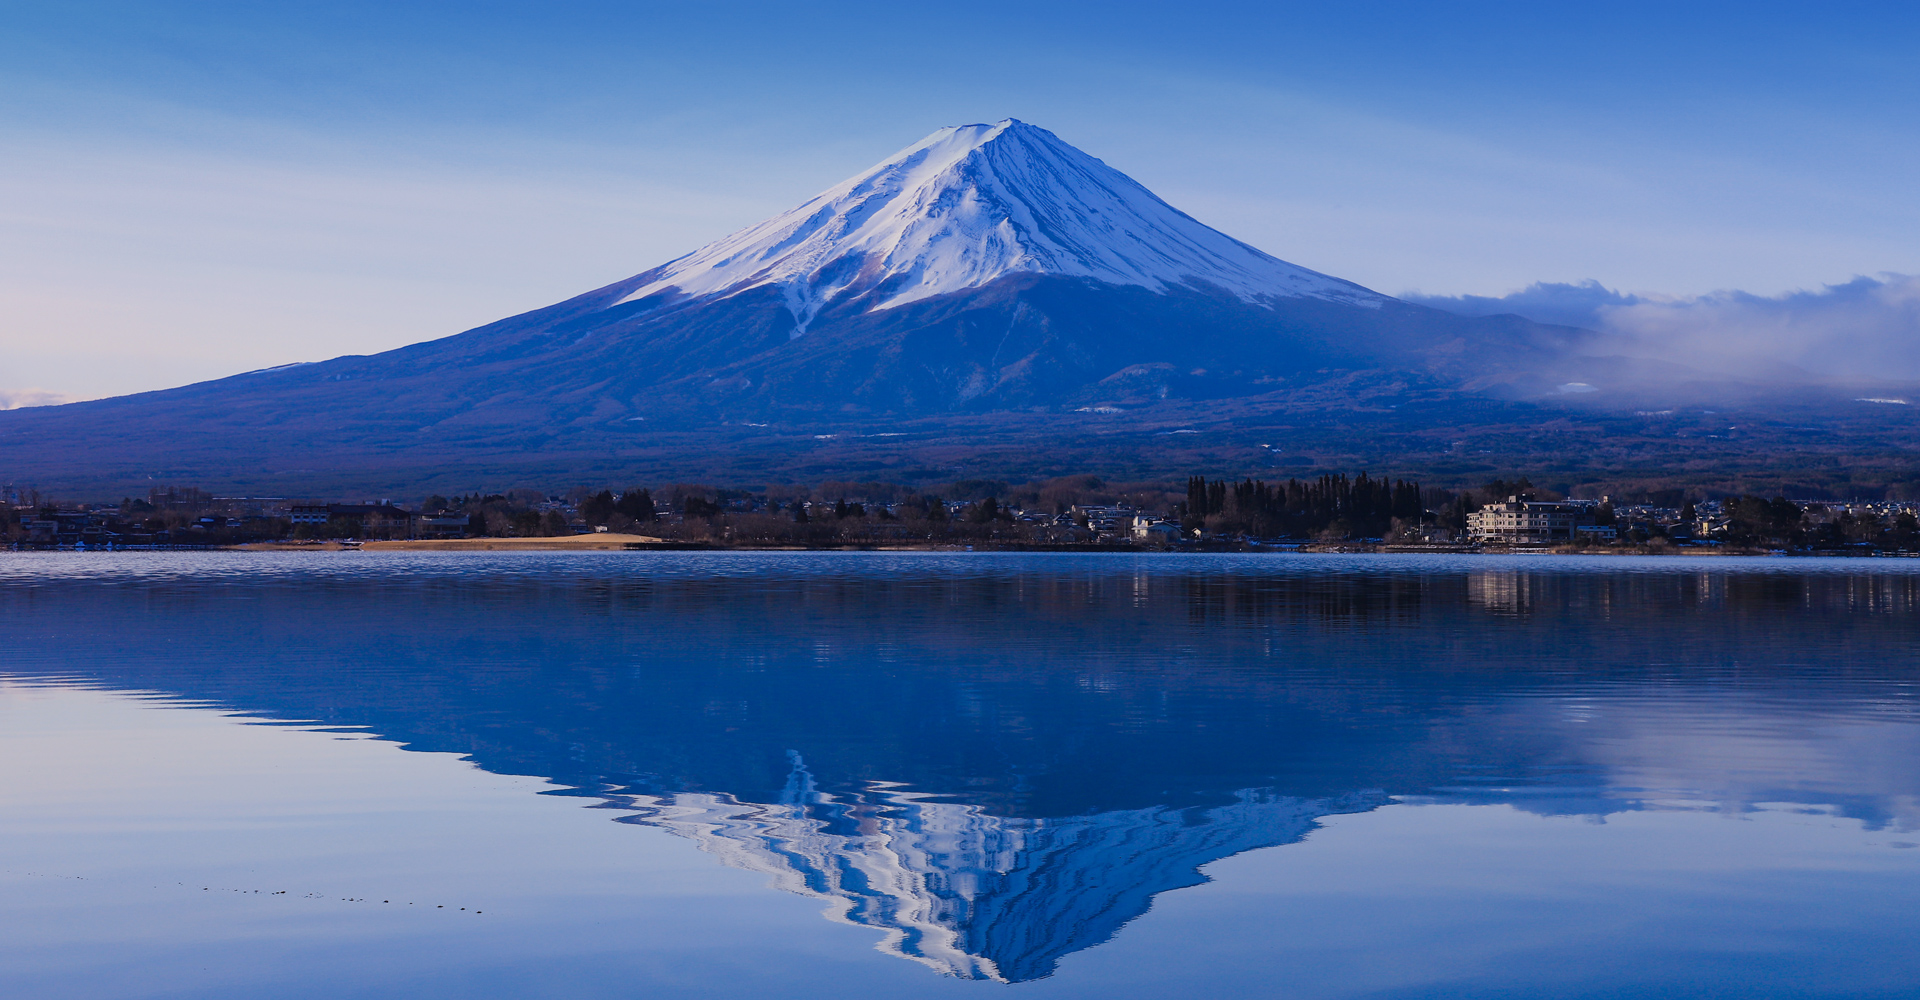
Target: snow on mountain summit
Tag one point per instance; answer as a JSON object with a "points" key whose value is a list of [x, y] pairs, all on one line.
{"points": [[971, 204]]}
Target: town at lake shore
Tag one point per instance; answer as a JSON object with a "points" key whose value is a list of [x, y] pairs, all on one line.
{"points": [[1071, 513]]}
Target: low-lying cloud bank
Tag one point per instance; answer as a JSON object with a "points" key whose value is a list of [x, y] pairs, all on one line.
{"points": [[13, 399], [1867, 328]]}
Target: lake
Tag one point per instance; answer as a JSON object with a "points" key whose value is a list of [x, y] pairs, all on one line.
{"points": [[714, 774]]}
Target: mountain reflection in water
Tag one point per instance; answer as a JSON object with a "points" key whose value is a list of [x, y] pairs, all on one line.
{"points": [[997, 761], [968, 893]]}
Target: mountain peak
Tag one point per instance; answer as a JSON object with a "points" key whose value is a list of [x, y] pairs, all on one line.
{"points": [[968, 205]]}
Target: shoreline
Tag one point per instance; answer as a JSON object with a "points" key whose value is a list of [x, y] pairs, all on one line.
{"points": [[597, 542], [606, 542]]}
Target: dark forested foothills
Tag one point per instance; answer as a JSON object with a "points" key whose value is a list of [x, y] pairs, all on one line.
{"points": [[1347, 512]]}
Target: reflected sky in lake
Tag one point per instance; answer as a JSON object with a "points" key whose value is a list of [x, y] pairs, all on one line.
{"points": [[1105, 775]]}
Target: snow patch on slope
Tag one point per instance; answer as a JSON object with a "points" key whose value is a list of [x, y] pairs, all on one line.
{"points": [[969, 205]]}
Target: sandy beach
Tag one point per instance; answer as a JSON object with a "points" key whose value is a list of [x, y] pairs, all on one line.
{"points": [[563, 543]]}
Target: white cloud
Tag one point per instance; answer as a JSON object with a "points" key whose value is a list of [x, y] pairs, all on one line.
{"points": [[13, 399], [1867, 328]]}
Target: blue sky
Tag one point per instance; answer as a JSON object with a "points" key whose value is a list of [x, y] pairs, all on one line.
{"points": [[190, 190]]}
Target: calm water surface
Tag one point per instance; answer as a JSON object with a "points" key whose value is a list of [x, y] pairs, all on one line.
{"points": [[798, 775]]}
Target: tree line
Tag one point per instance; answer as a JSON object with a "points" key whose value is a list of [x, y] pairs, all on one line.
{"points": [[1333, 504]]}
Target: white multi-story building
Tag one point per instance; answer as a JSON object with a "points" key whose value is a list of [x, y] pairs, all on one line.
{"points": [[1523, 522], [1147, 528], [310, 513]]}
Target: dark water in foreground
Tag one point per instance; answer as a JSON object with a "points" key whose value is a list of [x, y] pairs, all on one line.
{"points": [[652, 774]]}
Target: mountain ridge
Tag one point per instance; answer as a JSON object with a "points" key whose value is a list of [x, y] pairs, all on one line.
{"points": [[989, 299]]}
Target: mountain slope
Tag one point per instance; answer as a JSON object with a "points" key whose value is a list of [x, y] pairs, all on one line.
{"points": [[986, 269], [967, 206]]}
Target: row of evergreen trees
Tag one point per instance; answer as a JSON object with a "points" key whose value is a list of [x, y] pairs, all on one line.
{"points": [[634, 505], [1360, 506]]}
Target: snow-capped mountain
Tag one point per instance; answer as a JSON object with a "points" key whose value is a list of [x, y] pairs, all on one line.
{"points": [[985, 269], [972, 204]]}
